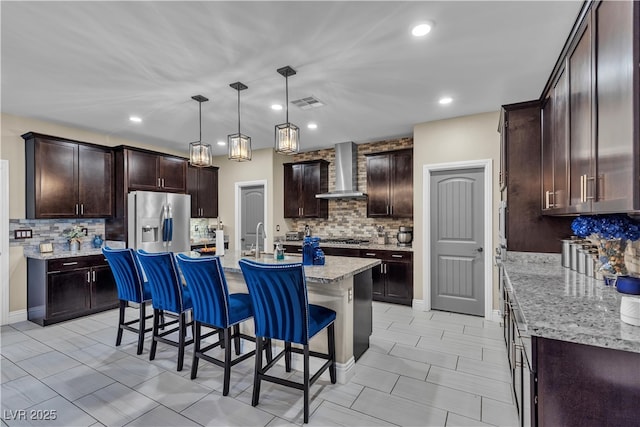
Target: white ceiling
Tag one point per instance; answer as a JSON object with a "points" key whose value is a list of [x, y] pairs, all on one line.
{"points": [[93, 64]]}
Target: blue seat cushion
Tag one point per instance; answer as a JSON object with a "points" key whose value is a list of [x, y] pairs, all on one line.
{"points": [[240, 308], [319, 318]]}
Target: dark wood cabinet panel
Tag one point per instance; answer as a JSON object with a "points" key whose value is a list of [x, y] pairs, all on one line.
{"points": [[393, 279], [67, 179], [172, 173], [390, 184], [526, 228], [202, 185], [95, 182], [66, 288], [616, 173], [302, 181], [580, 143], [142, 171]]}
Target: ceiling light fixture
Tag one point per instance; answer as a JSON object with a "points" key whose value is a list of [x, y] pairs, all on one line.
{"points": [[287, 134], [276, 107], [199, 153], [421, 30], [135, 119], [239, 144], [312, 126], [222, 143], [445, 100]]}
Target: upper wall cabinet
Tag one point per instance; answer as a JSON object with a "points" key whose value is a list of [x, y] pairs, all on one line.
{"points": [[202, 185], [390, 184], [67, 179], [302, 181], [602, 118], [150, 171]]}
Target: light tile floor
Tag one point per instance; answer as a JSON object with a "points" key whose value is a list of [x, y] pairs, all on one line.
{"points": [[422, 369]]}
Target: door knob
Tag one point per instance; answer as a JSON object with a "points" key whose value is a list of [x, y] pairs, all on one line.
{"points": [[479, 249]]}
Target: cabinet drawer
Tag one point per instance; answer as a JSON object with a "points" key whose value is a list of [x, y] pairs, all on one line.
{"points": [[73, 263], [387, 255]]}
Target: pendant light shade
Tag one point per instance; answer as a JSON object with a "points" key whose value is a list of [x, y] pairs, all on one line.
{"points": [[287, 134], [239, 144], [199, 153]]}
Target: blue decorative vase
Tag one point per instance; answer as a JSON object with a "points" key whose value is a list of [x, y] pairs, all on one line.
{"points": [[97, 241]]}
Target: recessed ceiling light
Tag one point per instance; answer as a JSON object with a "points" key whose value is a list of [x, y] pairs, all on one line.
{"points": [[276, 107], [445, 100], [312, 126], [135, 119], [422, 29], [222, 143]]}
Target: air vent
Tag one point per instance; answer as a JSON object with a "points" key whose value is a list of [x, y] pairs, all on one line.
{"points": [[307, 103]]}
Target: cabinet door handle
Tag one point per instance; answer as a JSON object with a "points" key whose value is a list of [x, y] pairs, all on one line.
{"points": [[81, 208], [76, 209], [396, 256], [387, 212], [159, 183], [370, 254], [586, 187], [93, 275], [70, 263], [162, 182], [547, 196], [381, 268], [391, 210], [88, 277]]}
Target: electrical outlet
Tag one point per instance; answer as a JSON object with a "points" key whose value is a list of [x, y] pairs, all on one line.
{"points": [[24, 233]]}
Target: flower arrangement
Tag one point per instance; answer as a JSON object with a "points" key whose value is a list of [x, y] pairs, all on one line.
{"points": [[74, 234], [610, 232], [616, 226]]}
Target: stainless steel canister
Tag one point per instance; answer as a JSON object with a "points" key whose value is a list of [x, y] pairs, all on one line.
{"points": [[575, 244], [566, 253], [582, 258]]}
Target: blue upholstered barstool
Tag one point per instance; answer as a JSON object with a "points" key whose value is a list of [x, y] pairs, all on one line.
{"points": [[281, 311], [214, 307], [131, 288], [169, 299]]}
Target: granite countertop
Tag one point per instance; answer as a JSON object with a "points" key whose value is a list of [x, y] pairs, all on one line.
{"points": [[559, 303], [371, 245], [62, 253], [336, 267]]}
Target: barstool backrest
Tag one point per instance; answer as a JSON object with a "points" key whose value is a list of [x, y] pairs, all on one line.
{"points": [[126, 272], [162, 274], [280, 303], [208, 286]]}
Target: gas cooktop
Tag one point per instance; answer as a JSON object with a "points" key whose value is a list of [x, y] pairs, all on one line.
{"points": [[344, 241]]}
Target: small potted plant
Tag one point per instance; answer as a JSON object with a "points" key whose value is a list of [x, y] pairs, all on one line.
{"points": [[74, 235]]}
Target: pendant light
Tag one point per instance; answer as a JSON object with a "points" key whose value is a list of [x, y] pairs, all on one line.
{"points": [[287, 134], [199, 153], [239, 144]]}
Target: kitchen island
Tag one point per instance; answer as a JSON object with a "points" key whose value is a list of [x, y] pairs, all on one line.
{"points": [[574, 361], [343, 284]]}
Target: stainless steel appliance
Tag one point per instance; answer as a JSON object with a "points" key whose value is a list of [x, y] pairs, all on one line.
{"points": [[404, 236], [344, 241], [293, 236], [159, 222]]}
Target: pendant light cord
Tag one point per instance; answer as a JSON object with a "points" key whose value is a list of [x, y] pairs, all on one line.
{"points": [[200, 115], [286, 79], [238, 113]]}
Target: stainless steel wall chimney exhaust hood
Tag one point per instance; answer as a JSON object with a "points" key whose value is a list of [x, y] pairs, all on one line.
{"points": [[346, 165]]}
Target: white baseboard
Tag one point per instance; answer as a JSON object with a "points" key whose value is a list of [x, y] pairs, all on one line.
{"points": [[17, 316], [418, 304]]}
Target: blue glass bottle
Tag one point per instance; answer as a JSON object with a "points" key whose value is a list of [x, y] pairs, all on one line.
{"points": [[307, 251]]}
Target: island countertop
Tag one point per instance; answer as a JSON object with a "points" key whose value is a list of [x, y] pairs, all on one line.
{"points": [[336, 267], [559, 303]]}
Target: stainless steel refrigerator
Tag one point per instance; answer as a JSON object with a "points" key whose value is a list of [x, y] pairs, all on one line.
{"points": [[159, 222]]}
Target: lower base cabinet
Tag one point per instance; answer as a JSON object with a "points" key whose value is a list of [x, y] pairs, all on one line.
{"points": [[66, 288]]}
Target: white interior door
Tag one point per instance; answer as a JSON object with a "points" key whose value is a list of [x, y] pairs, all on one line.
{"points": [[457, 241], [4, 240]]}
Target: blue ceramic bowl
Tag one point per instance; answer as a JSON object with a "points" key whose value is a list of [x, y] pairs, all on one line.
{"points": [[628, 285]]}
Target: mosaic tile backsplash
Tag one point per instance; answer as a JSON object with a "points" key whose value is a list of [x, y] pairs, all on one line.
{"points": [[51, 230]]}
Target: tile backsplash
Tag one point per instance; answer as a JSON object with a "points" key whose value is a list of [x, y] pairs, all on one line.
{"points": [[348, 217], [51, 230]]}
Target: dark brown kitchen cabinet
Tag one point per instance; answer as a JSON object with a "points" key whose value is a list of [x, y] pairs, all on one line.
{"points": [[555, 147], [602, 124], [148, 171], [393, 279], [527, 230], [67, 179], [202, 185], [390, 184], [65, 288], [302, 181]]}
